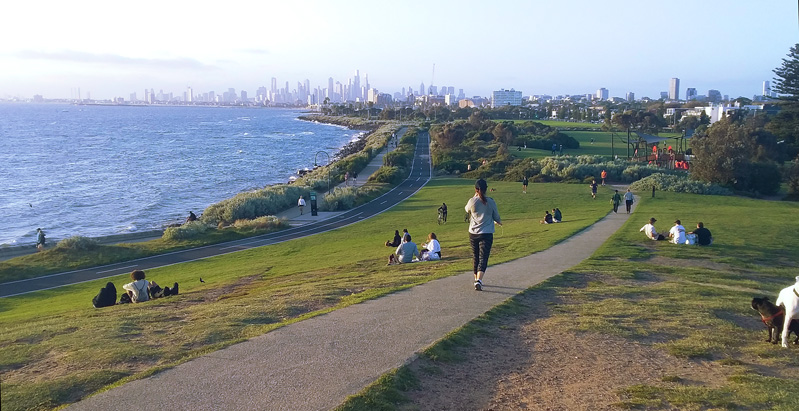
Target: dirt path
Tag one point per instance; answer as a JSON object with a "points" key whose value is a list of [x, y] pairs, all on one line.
{"points": [[529, 361]]}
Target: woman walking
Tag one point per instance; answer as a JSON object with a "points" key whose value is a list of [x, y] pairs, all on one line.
{"points": [[484, 213]]}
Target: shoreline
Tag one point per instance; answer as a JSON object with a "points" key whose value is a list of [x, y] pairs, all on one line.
{"points": [[155, 230]]}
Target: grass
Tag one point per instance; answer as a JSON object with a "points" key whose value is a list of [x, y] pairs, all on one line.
{"points": [[600, 147], [56, 260], [688, 301], [54, 341], [563, 124]]}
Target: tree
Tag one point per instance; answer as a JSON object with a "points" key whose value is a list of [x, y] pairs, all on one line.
{"points": [[786, 81], [737, 155]]}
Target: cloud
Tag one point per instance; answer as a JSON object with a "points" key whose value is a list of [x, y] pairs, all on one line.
{"points": [[92, 58]]}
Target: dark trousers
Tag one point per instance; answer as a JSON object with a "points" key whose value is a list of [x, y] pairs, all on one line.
{"points": [[615, 207], [629, 204], [481, 248]]}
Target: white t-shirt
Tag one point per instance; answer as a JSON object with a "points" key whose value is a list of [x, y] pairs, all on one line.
{"points": [[677, 234], [301, 202], [650, 231]]}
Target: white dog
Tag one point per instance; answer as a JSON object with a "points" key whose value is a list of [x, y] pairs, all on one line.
{"points": [[789, 297]]}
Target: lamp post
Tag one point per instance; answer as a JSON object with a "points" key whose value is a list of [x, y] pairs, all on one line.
{"points": [[315, 163]]}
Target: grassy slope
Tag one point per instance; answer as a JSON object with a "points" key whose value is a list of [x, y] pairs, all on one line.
{"points": [[696, 312], [57, 348]]}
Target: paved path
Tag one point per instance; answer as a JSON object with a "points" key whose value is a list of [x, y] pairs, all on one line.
{"points": [[420, 174], [315, 364]]}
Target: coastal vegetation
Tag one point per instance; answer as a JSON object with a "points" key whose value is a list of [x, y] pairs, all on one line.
{"points": [[57, 348], [690, 304]]}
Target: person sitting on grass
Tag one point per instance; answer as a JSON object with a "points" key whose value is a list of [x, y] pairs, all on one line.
{"points": [[396, 241], [556, 215], [677, 233], [106, 297], [703, 236], [141, 290], [432, 250], [405, 252], [547, 218], [649, 230]]}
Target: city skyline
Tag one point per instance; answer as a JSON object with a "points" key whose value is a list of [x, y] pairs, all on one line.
{"points": [[556, 49]]}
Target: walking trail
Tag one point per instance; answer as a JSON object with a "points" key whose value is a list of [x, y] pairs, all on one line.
{"points": [[315, 364]]}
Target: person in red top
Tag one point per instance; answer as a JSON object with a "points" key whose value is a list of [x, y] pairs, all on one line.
{"points": [[604, 175]]}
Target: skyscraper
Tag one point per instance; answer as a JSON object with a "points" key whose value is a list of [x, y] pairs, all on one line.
{"points": [[766, 89], [421, 89], [602, 94], [690, 93], [274, 85], [674, 89], [356, 86], [630, 96]]}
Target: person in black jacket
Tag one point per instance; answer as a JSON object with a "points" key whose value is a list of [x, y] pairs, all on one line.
{"points": [[106, 297], [397, 240]]}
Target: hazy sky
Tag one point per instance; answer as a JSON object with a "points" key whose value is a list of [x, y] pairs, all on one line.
{"points": [[113, 48]]}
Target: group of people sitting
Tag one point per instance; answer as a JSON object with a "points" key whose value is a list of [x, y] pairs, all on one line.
{"points": [[554, 217], [137, 291], [407, 252], [677, 234]]}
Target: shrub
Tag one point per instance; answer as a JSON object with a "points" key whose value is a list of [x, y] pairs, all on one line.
{"points": [[77, 243], [678, 184], [187, 231], [254, 204], [261, 223], [388, 174]]}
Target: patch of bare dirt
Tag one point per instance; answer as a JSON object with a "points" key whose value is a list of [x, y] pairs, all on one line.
{"points": [[529, 362]]}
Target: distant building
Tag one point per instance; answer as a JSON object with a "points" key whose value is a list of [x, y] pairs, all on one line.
{"points": [[690, 93], [713, 96], [674, 89], [766, 89], [664, 95], [602, 94], [504, 97], [630, 96]]}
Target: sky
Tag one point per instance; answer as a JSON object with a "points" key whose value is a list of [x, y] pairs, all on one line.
{"points": [[112, 49]]}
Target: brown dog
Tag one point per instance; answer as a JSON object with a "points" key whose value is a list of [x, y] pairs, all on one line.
{"points": [[773, 317]]}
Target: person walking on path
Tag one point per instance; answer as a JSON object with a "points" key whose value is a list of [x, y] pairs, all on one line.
{"points": [[301, 204], [593, 189], [524, 185], [483, 215], [628, 200], [616, 200], [40, 239], [346, 178], [604, 175]]}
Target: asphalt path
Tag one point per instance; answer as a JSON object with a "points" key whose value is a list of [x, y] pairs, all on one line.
{"points": [[420, 174]]}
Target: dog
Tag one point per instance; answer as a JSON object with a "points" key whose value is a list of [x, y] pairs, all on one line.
{"points": [[773, 317], [789, 299]]}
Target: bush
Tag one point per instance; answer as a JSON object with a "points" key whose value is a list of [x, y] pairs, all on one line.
{"points": [[187, 231], [388, 174], [77, 243], [268, 201], [677, 184], [340, 199], [266, 222]]}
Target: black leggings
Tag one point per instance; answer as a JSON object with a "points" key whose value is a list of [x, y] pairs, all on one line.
{"points": [[481, 248]]}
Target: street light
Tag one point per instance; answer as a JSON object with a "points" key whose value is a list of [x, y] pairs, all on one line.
{"points": [[315, 163]]}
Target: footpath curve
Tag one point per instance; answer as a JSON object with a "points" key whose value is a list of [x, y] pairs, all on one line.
{"points": [[419, 175], [315, 364]]}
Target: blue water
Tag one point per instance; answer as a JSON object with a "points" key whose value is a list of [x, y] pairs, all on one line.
{"points": [[101, 170]]}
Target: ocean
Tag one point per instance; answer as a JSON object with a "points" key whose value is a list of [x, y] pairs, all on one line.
{"points": [[103, 170]]}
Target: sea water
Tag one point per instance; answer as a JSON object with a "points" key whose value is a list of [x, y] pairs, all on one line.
{"points": [[101, 170]]}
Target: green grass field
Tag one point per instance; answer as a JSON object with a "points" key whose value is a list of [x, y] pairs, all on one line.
{"points": [[57, 348], [601, 145], [691, 302], [563, 124]]}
